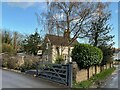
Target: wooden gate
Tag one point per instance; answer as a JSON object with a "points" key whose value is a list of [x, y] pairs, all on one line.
{"points": [[56, 72]]}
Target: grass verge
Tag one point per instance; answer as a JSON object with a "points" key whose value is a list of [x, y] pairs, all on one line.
{"points": [[94, 79]]}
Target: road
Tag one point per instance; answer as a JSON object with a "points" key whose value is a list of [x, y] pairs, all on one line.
{"points": [[113, 81], [16, 80]]}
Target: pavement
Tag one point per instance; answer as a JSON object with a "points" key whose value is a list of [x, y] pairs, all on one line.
{"points": [[0, 78], [31, 72], [18, 80], [113, 80]]}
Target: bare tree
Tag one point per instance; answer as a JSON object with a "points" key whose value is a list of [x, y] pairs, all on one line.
{"points": [[15, 37], [100, 27], [75, 17]]}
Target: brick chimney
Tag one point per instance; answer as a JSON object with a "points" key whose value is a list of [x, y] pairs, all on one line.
{"points": [[67, 34]]}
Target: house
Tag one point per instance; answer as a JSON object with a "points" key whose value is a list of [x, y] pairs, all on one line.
{"points": [[57, 45], [116, 55]]}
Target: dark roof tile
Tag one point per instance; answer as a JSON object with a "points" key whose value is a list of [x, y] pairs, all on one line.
{"points": [[59, 40]]}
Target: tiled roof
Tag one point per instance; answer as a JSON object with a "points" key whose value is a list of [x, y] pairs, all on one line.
{"points": [[59, 40]]}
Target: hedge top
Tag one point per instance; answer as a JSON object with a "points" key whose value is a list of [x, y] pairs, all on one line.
{"points": [[86, 55]]}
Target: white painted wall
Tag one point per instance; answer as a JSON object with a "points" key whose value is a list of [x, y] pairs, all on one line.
{"points": [[64, 52]]}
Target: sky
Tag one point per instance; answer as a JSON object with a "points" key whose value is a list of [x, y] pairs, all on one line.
{"points": [[20, 16]]}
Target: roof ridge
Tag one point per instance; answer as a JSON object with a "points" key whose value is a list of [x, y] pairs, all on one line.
{"points": [[58, 40]]}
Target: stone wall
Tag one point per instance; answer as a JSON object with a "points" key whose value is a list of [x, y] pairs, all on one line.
{"points": [[85, 74]]}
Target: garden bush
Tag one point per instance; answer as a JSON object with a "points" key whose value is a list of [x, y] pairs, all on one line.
{"points": [[5, 58], [7, 48], [29, 63], [86, 55], [12, 63], [59, 59]]}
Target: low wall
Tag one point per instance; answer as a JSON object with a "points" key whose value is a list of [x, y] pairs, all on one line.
{"points": [[81, 75], [85, 74]]}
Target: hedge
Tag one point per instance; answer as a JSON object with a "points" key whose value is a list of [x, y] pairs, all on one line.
{"points": [[86, 55]]}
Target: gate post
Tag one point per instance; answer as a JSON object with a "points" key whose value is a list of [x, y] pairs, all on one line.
{"points": [[70, 74]]}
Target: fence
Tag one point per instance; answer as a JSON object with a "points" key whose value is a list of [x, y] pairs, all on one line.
{"points": [[85, 74], [56, 72]]}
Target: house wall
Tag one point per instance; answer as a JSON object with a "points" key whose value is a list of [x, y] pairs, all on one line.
{"points": [[47, 55], [63, 51]]}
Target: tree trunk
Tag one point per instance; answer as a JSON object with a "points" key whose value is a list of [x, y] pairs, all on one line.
{"points": [[96, 39]]}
